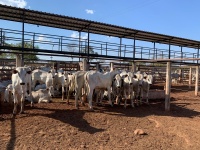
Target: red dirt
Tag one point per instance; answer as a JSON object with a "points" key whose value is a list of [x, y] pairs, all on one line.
{"points": [[59, 126]]}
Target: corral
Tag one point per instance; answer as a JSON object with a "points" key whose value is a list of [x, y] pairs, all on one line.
{"points": [[57, 125]]}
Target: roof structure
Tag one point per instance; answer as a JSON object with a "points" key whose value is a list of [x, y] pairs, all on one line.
{"points": [[71, 23]]}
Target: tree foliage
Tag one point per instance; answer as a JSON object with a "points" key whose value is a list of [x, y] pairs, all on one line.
{"points": [[7, 54]]}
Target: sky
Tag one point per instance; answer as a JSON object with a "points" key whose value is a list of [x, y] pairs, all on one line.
{"points": [[170, 17]]}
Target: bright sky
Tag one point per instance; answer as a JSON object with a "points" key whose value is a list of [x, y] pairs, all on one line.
{"points": [[171, 17]]}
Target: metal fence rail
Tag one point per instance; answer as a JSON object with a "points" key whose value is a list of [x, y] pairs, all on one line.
{"points": [[76, 46]]}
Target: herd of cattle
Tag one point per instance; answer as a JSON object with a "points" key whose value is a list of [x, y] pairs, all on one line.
{"points": [[40, 85]]}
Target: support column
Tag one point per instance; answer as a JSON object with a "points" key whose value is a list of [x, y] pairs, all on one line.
{"points": [[197, 81], [18, 60], [190, 78], [97, 67], [168, 87], [111, 66], [85, 65], [133, 69]]}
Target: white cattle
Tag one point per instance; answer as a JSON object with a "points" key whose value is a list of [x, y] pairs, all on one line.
{"points": [[41, 95], [71, 88], [147, 82], [61, 80], [20, 78], [79, 86], [8, 93], [97, 80], [117, 88], [127, 87], [43, 77], [175, 78], [137, 84]]}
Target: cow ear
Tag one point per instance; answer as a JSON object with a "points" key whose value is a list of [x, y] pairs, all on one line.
{"points": [[145, 77], [134, 76], [126, 75], [29, 72], [14, 71]]}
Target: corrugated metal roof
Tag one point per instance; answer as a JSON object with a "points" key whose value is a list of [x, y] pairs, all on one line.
{"points": [[70, 23]]}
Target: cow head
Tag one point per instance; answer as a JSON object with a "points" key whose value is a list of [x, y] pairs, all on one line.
{"points": [[22, 72], [117, 81]]}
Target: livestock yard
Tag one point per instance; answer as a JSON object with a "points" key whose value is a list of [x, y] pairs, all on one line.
{"points": [[170, 121], [58, 125]]}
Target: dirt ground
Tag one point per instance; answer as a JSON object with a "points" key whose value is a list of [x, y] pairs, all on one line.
{"points": [[59, 126]]}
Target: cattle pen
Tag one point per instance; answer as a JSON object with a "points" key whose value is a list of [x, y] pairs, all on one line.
{"points": [[104, 50], [170, 120]]}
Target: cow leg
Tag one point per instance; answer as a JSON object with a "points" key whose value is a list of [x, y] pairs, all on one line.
{"points": [[67, 91], [109, 96], [131, 99], [147, 96], [63, 92], [141, 95], [90, 99], [22, 104], [15, 96], [77, 93], [125, 102]]}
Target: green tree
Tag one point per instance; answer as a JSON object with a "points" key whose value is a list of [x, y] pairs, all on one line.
{"points": [[91, 51], [32, 56], [72, 47]]}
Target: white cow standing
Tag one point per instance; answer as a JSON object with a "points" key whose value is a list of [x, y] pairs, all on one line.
{"points": [[147, 82], [61, 80], [19, 78], [97, 80], [79, 84], [127, 87], [117, 88], [137, 84], [71, 89]]}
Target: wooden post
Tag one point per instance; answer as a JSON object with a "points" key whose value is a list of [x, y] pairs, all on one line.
{"points": [[85, 65], [190, 78], [18, 60], [197, 81], [97, 67], [133, 69], [111, 66], [168, 87]]}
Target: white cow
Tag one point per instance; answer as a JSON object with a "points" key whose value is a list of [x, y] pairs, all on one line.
{"points": [[117, 88], [43, 77], [41, 95], [20, 77], [147, 82], [127, 87], [61, 80], [79, 86], [175, 77], [71, 89], [8, 93], [97, 80], [137, 84]]}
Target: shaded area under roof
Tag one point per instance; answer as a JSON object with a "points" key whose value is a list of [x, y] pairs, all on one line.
{"points": [[70, 23]]}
